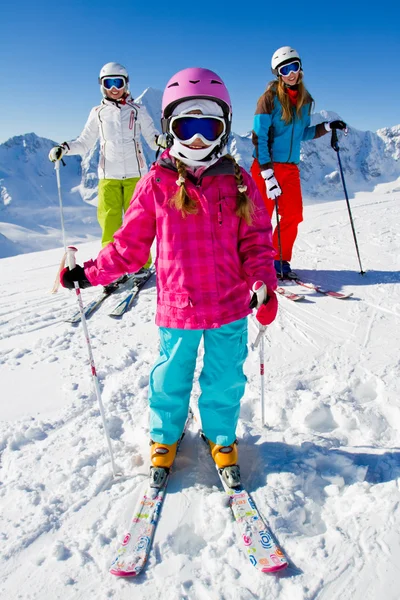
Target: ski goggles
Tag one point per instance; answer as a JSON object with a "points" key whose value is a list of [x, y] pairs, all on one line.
{"points": [[116, 82], [187, 127], [285, 70]]}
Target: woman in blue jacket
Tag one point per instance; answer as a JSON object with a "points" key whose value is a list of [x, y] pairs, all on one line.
{"points": [[281, 123]]}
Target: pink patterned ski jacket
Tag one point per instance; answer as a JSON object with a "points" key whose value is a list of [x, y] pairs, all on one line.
{"points": [[206, 263]]}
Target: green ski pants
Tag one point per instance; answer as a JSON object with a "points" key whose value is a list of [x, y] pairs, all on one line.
{"points": [[115, 196]]}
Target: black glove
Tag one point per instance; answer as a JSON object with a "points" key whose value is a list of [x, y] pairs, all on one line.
{"points": [[69, 276], [338, 125]]}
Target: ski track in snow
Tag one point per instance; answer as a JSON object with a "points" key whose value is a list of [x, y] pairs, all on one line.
{"points": [[324, 469]]}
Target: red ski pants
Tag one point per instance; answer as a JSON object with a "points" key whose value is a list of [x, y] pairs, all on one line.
{"points": [[290, 204]]}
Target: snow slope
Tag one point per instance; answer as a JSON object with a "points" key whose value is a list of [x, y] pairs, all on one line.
{"points": [[324, 469]]}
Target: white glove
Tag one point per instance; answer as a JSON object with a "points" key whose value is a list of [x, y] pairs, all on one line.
{"points": [[56, 153], [161, 140], [273, 189]]}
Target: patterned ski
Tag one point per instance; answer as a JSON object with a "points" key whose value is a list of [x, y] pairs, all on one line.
{"points": [[126, 302], [321, 290], [289, 295], [134, 550], [258, 541]]}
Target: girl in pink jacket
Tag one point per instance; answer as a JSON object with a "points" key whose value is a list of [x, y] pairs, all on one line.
{"points": [[214, 246]]}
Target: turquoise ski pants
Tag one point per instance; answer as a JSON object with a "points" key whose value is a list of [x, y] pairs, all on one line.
{"points": [[222, 381]]}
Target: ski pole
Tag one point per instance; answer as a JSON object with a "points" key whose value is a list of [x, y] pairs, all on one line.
{"points": [[57, 169], [278, 227], [62, 264], [261, 358], [335, 146], [71, 263], [259, 341]]}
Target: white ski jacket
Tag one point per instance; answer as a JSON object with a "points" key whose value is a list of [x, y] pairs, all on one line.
{"points": [[118, 125]]}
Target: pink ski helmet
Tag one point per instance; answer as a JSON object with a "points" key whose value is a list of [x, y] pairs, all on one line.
{"points": [[195, 82]]}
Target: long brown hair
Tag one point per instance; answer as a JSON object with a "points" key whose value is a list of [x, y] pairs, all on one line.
{"points": [[188, 206], [303, 97]]}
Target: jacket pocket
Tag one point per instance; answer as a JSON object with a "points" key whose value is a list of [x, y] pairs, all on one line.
{"points": [[139, 155], [176, 299], [227, 210]]}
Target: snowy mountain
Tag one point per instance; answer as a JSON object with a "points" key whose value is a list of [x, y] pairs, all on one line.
{"points": [[29, 204], [324, 469]]}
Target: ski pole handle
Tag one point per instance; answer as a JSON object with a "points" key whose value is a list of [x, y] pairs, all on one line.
{"points": [[259, 290], [334, 140], [71, 260]]}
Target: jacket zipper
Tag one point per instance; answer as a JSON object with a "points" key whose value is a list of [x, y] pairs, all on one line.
{"points": [[122, 137], [102, 146], [291, 139]]}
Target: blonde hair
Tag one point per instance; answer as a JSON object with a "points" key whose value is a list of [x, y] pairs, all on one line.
{"points": [[303, 98], [188, 206]]}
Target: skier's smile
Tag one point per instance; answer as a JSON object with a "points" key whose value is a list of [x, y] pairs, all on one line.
{"points": [[291, 79], [198, 144], [115, 94]]}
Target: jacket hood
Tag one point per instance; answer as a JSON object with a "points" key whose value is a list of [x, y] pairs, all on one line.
{"points": [[224, 166]]}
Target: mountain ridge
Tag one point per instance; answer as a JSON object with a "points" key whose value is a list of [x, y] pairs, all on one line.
{"points": [[29, 201]]}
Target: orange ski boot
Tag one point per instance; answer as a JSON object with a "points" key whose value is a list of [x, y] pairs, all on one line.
{"points": [[163, 455], [224, 456]]}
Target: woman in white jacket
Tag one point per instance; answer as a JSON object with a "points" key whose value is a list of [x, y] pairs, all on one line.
{"points": [[118, 122]]}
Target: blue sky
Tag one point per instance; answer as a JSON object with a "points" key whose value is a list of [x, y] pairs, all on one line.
{"points": [[51, 53]]}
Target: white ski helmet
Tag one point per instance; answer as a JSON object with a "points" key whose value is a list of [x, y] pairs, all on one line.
{"points": [[283, 56], [113, 69]]}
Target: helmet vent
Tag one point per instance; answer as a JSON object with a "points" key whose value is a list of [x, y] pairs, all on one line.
{"points": [[194, 81], [176, 84], [215, 81]]}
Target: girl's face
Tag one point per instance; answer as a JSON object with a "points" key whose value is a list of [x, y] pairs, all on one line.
{"points": [[115, 94], [197, 143], [292, 78]]}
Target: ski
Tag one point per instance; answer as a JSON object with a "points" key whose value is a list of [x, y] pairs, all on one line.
{"points": [[134, 551], [257, 539], [289, 295], [321, 290], [93, 305], [138, 282]]}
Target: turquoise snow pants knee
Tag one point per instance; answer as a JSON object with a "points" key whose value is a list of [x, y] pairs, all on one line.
{"points": [[222, 381]]}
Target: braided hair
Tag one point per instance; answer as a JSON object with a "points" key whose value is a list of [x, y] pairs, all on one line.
{"points": [[181, 200]]}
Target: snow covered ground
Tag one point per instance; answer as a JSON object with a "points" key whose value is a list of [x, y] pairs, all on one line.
{"points": [[324, 469]]}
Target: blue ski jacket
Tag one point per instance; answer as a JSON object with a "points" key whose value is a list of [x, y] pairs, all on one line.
{"points": [[276, 141]]}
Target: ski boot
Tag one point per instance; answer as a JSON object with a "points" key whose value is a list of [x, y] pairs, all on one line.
{"points": [[111, 287], [226, 458], [143, 273], [162, 457], [284, 271]]}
